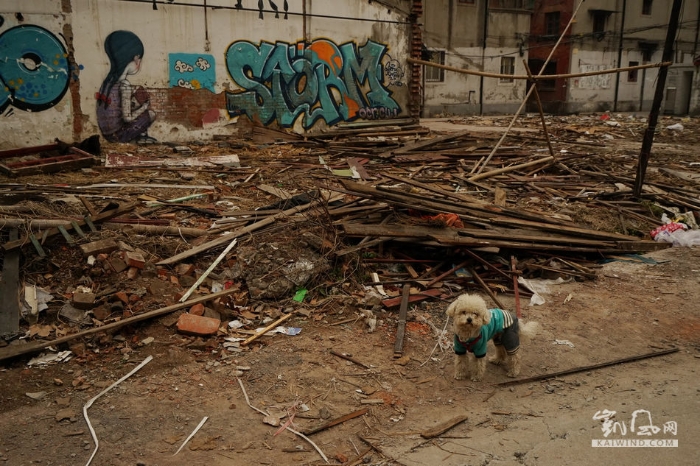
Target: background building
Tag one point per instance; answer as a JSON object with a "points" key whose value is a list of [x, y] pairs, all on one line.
{"points": [[475, 35], [497, 35]]}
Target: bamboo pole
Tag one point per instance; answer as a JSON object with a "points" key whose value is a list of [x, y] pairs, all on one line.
{"points": [[499, 171], [527, 96], [538, 77], [648, 140]]}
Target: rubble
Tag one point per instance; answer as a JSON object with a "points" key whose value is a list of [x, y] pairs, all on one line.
{"points": [[351, 215]]}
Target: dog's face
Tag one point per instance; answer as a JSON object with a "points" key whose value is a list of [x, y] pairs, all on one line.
{"points": [[469, 314]]}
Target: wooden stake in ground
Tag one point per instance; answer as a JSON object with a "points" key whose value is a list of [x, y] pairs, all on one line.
{"points": [[658, 97], [401, 330]]}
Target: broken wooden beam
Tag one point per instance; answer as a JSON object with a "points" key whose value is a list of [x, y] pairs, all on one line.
{"points": [[444, 426], [18, 350], [335, 422]]}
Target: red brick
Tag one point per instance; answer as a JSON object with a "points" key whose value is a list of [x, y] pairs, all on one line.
{"points": [[134, 259], [191, 324], [197, 309], [134, 298]]}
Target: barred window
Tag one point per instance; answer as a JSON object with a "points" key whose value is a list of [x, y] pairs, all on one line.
{"points": [[507, 67], [433, 74]]}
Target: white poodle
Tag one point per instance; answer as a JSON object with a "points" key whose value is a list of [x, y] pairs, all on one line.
{"points": [[474, 325]]}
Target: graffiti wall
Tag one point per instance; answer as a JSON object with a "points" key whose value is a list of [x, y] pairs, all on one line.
{"points": [[283, 82], [34, 71], [138, 72], [192, 71]]}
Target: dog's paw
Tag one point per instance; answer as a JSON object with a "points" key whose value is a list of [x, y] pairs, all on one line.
{"points": [[495, 360], [513, 374], [476, 378], [459, 376]]}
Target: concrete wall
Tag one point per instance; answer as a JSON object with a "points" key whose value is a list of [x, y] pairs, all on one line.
{"points": [[458, 30], [190, 73]]}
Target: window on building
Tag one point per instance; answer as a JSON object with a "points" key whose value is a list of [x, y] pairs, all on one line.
{"points": [[551, 23], [647, 48], [632, 74], [467, 2], [433, 74], [599, 18], [646, 7], [548, 84], [507, 67]]}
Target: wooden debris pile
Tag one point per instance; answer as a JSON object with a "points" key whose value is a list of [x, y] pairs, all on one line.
{"points": [[399, 213]]}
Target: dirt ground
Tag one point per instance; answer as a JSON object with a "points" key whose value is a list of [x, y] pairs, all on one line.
{"points": [[636, 306]]}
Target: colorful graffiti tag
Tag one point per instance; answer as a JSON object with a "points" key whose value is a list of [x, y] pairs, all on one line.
{"points": [[34, 70], [316, 81], [192, 71]]}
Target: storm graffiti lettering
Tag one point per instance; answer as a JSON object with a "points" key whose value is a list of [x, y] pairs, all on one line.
{"points": [[318, 81]]}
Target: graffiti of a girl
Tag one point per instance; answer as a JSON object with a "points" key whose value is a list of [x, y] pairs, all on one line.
{"points": [[123, 113]]}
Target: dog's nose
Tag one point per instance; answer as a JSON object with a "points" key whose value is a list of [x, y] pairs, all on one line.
{"points": [[469, 320]]}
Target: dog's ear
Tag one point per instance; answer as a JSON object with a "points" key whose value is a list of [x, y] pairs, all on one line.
{"points": [[485, 316], [451, 309]]}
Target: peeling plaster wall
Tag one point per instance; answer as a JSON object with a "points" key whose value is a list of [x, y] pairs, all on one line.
{"points": [[460, 35], [187, 78]]}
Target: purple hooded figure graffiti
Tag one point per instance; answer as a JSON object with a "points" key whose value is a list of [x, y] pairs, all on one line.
{"points": [[123, 113]]}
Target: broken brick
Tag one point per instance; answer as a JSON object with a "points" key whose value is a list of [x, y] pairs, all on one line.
{"points": [[134, 259], [117, 264], [98, 247], [191, 324], [197, 309], [184, 269], [132, 273], [84, 301], [134, 298]]}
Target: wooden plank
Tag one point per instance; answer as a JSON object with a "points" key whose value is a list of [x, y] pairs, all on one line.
{"points": [[401, 329], [393, 302], [425, 143], [10, 291], [22, 151]]}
